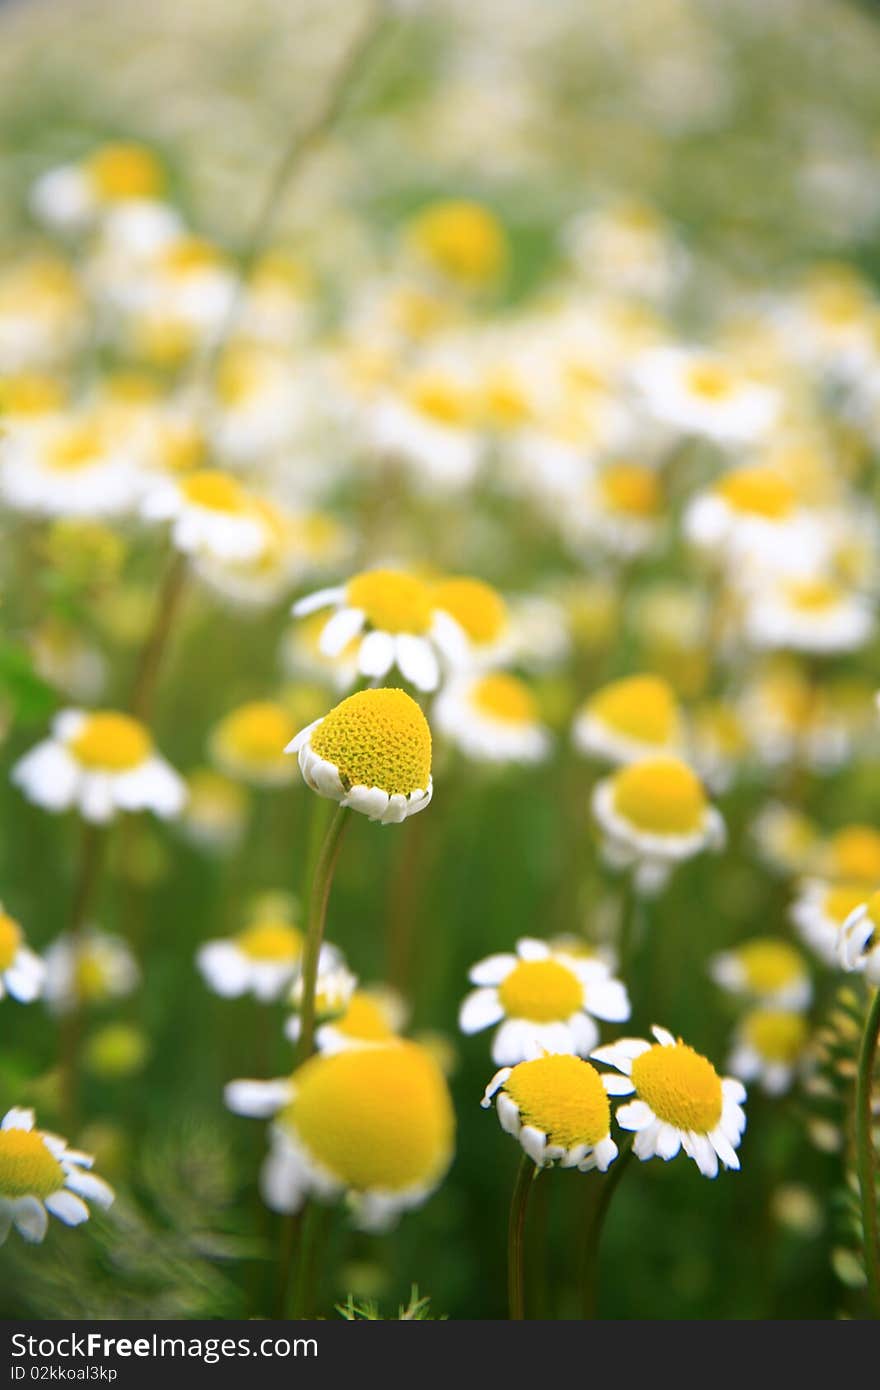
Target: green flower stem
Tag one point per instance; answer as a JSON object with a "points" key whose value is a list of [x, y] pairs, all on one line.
{"points": [[866, 1159], [609, 1185], [149, 664], [319, 896], [516, 1284]]}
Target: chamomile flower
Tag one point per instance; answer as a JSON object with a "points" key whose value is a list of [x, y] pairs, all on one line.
{"points": [[249, 743], [630, 719], [461, 241], [261, 959], [72, 468], [752, 516], [41, 315], [557, 1107], [39, 1176], [765, 969], [492, 718], [680, 1102], [858, 945], [620, 507], [372, 753], [99, 763], [822, 907], [72, 196], [701, 394], [371, 1015], [653, 814], [301, 655], [373, 1123], [22, 972], [545, 1000], [815, 615], [92, 967], [211, 514], [401, 624], [427, 423], [769, 1047], [480, 613]]}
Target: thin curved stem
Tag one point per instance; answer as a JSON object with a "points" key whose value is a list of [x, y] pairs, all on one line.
{"points": [[516, 1226], [150, 661], [610, 1183], [318, 898], [866, 1158]]}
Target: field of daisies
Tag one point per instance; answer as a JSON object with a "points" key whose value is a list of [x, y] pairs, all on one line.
{"points": [[439, 659]]}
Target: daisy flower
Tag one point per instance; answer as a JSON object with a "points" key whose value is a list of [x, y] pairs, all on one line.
{"points": [[769, 971], [74, 467], [630, 719], [699, 393], [400, 622], [22, 972], [492, 718], [372, 752], [769, 1047], [92, 967], [40, 1175], [71, 196], [620, 508], [428, 424], [211, 514], [480, 613], [42, 321], [557, 1107], [545, 999], [680, 1101], [820, 910], [752, 515], [262, 959], [249, 743], [654, 814], [463, 241], [818, 616], [301, 655], [859, 942], [99, 763], [373, 1123], [371, 1016]]}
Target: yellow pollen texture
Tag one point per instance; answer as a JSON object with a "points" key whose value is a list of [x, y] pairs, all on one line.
{"points": [[11, 938], [681, 1087], [364, 1020], [475, 606], [125, 171], [776, 1035], [270, 941], [505, 698], [215, 491], [257, 732], [630, 489], [27, 1168], [393, 601], [542, 991], [379, 1118], [769, 965], [758, 491], [639, 707], [661, 796], [377, 738], [111, 742], [563, 1097]]}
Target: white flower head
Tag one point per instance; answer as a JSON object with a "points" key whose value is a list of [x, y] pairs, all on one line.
{"points": [[40, 1175], [858, 945], [769, 1047], [492, 718], [22, 972], [556, 1105], [630, 719], [765, 969], [89, 968]]}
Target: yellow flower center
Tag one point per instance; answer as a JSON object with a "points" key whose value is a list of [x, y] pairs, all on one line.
{"points": [[76, 448], [379, 1118], [256, 733], [854, 854], [111, 742], [11, 938], [239, 376], [639, 707], [769, 965], [90, 975], [125, 171], [505, 698], [758, 491], [191, 255], [377, 738], [777, 1035], [27, 1168], [873, 905], [681, 1087], [461, 239], [30, 394], [364, 1020], [215, 491], [440, 397], [563, 1097], [505, 401], [660, 795], [631, 489], [842, 899], [813, 595], [393, 601], [542, 991], [270, 941], [182, 447], [477, 608], [710, 381]]}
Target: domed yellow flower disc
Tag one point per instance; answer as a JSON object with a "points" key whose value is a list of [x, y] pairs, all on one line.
{"points": [[462, 239], [777, 1035], [125, 171], [215, 491], [364, 1020], [11, 937], [270, 941], [682, 1087], [378, 1118], [27, 1168], [639, 707], [377, 738], [758, 492], [505, 698], [843, 898], [769, 965], [256, 732], [111, 742], [630, 489], [393, 601], [563, 1097], [661, 796], [854, 854], [477, 608], [543, 991]]}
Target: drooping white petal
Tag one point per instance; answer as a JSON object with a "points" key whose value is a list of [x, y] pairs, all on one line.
{"points": [[69, 1208], [339, 630], [259, 1099], [376, 654], [635, 1115], [30, 1219], [492, 970], [481, 1009], [417, 661]]}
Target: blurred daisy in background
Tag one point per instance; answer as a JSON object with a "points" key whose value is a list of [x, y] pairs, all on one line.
{"points": [[766, 970], [817, 616], [216, 810], [699, 393], [557, 1107], [770, 1048], [40, 1176], [72, 468], [261, 959], [620, 507], [70, 197], [630, 719], [492, 718], [90, 968], [858, 945], [482, 616], [373, 1014], [22, 972], [211, 514], [248, 743]]}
